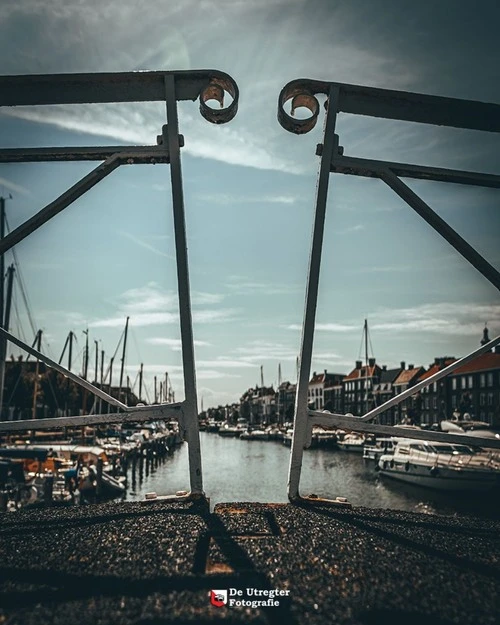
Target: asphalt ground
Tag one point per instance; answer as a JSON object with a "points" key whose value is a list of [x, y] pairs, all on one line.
{"points": [[151, 563]]}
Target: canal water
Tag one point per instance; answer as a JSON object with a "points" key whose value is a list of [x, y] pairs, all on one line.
{"points": [[250, 470]]}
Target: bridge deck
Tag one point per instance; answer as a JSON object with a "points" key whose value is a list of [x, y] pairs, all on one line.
{"points": [[134, 563]]}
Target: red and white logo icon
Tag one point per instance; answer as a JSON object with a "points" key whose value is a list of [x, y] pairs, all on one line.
{"points": [[218, 597]]}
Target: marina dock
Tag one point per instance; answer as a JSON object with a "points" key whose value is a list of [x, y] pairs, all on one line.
{"points": [[156, 562]]}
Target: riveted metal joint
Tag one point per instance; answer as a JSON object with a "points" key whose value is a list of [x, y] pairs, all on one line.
{"points": [[159, 138]]}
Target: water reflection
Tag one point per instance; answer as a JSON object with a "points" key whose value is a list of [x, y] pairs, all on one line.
{"points": [[238, 470]]}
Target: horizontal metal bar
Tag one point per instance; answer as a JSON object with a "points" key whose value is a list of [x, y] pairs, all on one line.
{"points": [[356, 424], [101, 87], [63, 201], [139, 154], [206, 84], [394, 401], [397, 105], [69, 374], [442, 227], [137, 414], [373, 168]]}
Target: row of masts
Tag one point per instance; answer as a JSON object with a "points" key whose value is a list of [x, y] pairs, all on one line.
{"points": [[163, 391]]}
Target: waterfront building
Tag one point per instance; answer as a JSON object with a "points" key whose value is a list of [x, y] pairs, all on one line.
{"points": [[475, 387], [258, 405], [383, 390], [334, 395], [411, 408], [318, 385], [285, 402], [435, 405], [358, 387]]}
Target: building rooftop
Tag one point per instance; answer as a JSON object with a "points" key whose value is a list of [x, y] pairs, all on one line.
{"points": [[484, 362], [356, 374], [408, 375]]}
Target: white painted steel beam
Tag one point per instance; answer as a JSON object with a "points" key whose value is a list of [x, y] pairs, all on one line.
{"points": [[190, 421], [300, 431], [356, 424], [134, 414]]}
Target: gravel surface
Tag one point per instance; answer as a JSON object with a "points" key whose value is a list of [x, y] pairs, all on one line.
{"points": [[134, 563]]}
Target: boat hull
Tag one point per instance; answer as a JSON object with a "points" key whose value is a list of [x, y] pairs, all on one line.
{"points": [[441, 478]]}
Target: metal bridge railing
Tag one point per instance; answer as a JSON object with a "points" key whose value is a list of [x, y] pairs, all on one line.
{"points": [[169, 87], [395, 105]]}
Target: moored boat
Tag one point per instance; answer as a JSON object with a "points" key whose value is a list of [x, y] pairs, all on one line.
{"points": [[442, 466], [352, 442], [374, 448]]}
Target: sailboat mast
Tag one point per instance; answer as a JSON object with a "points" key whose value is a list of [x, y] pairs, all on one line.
{"points": [[366, 365], [35, 391], [140, 381], [279, 389], [123, 360], [96, 361], [102, 380]]}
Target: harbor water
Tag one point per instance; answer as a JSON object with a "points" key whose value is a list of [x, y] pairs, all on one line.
{"points": [[253, 470]]}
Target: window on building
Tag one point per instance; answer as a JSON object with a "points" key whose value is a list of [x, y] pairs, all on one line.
{"points": [[470, 381], [454, 384], [482, 380], [489, 379], [490, 399], [482, 399], [463, 382], [434, 403], [453, 401]]}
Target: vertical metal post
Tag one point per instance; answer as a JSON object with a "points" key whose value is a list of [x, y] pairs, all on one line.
{"points": [[3, 341], [300, 430], [102, 380], [171, 138], [2, 260]]}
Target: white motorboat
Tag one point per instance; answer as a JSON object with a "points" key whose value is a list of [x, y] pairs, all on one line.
{"points": [[352, 442], [255, 435], [443, 466], [374, 448]]}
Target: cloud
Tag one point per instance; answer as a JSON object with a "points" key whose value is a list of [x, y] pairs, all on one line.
{"points": [[446, 318], [257, 351], [166, 318], [16, 188], [150, 305], [231, 198], [242, 285], [174, 344], [351, 229], [208, 374], [327, 327], [225, 362], [138, 241]]}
